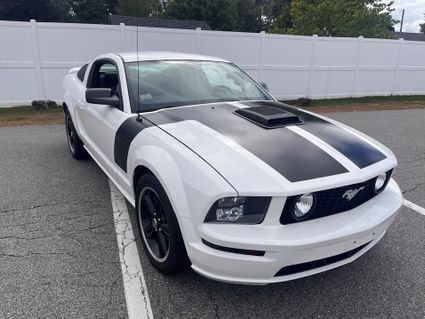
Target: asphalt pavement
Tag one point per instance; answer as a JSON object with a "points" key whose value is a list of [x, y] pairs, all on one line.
{"points": [[59, 256]]}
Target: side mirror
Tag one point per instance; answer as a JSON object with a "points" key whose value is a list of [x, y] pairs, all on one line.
{"points": [[264, 85], [102, 96]]}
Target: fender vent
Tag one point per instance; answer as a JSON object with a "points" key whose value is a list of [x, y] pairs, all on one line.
{"points": [[268, 116]]}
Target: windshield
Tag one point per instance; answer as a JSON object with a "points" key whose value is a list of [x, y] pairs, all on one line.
{"points": [[158, 84]]}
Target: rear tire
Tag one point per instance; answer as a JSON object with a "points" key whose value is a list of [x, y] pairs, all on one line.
{"points": [[76, 146], [159, 228]]}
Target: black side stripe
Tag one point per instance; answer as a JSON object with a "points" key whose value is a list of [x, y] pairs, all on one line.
{"points": [[354, 148], [123, 138]]}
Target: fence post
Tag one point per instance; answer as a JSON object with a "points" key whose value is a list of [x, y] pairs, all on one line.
{"points": [[41, 94], [310, 75], [397, 68], [122, 36], [357, 65], [260, 57], [198, 40]]}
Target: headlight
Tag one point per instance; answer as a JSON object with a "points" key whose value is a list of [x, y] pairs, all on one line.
{"points": [[238, 210], [304, 207]]}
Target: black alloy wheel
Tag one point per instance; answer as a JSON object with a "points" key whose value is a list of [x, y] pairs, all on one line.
{"points": [[71, 134], [154, 225], [75, 145], [158, 227]]}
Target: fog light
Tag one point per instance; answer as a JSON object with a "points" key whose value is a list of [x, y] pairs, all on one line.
{"points": [[380, 182], [304, 206]]}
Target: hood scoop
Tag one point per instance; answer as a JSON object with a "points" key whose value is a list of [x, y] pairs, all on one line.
{"points": [[268, 116]]}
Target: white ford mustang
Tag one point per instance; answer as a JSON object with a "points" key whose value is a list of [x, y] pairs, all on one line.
{"points": [[223, 177]]}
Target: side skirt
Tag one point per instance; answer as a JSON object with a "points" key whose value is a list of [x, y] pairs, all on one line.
{"points": [[120, 188]]}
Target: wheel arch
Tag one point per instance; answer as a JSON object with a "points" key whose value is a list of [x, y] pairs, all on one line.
{"points": [[183, 175], [65, 107], [138, 172], [176, 195], [166, 172]]}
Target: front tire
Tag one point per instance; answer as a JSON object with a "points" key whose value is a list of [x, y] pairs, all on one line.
{"points": [[159, 228], [76, 146]]}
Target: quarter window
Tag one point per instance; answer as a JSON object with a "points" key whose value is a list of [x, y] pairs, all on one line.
{"points": [[82, 72]]}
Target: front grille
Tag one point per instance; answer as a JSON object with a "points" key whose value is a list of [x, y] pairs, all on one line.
{"points": [[310, 265], [331, 201]]}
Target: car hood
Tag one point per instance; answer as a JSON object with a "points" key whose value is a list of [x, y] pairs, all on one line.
{"points": [[309, 152]]}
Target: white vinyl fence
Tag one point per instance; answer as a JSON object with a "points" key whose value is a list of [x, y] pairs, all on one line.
{"points": [[35, 56]]}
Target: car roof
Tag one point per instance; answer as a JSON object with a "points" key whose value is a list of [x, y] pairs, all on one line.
{"points": [[163, 55]]}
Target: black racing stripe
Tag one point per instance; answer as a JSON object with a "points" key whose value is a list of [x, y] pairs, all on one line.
{"points": [[123, 138], [288, 153], [358, 151], [355, 149]]}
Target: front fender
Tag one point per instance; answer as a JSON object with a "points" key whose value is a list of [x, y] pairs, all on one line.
{"points": [[191, 184], [68, 102]]}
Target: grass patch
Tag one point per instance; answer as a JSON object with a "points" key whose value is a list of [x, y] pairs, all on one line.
{"points": [[368, 103], [26, 115], [369, 100], [364, 100]]}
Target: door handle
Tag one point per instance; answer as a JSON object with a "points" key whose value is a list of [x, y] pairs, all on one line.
{"points": [[81, 101]]}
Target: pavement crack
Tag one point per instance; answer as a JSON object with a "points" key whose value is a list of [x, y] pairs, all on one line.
{"points": [[413, 188], [212, 300], [50, 205], [144, 293], [111, 290], [90, 228], [27, 238], [3, 254]]}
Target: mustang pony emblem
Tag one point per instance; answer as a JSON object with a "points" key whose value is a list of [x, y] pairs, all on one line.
{"points": [[351, 193]]}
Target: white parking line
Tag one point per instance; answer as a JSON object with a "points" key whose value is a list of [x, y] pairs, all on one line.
{"points": [[415, 207], [136, 293]]}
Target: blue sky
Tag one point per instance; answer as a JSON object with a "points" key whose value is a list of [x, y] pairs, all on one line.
{"points": [[414, 14]]}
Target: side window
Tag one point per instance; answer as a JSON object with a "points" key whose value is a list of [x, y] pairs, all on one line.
{"points": [[82, 72], [104, 74]]}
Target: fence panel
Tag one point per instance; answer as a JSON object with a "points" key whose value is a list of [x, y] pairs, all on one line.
{"points": [[411, 74], [34, 57]]}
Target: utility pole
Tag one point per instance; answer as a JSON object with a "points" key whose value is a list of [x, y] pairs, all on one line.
{"points": [[402, 20]]}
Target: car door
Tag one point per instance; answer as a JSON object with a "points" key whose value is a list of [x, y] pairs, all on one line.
{"points": [[99, 123]]}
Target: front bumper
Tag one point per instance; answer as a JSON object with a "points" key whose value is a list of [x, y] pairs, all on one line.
{"points": [[287, 245]]}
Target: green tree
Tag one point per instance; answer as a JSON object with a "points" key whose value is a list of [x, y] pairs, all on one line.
{"points": [[41, 10], [275, 11], [249, 16], [140, 8], [89, 11], [283, 22], [112, 6], [346, 18], [84, 11], [232, 15], [219, 14]]}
